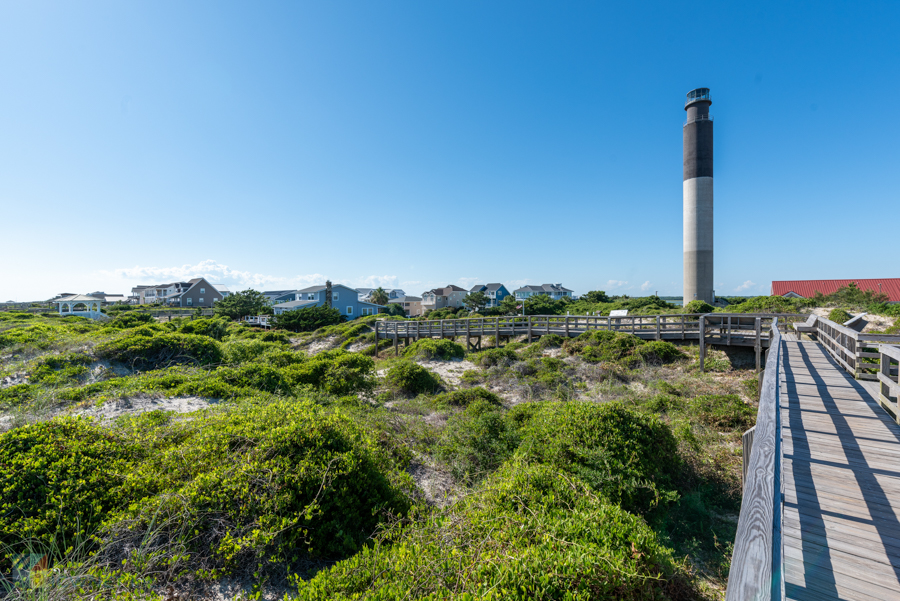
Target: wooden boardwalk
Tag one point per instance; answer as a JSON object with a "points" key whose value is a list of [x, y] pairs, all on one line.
{"points": [[841, 478]]}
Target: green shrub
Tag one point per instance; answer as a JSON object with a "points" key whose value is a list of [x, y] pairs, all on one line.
{"points": [[216, 327], [698, 306], [275, 336], [724, 411], [466, 396], [129, 320], [308, 319], [495, 356], [59, 479], [658, 352], [604, 345], [38, 335], [411, 378], [432, 348], [839, 316], [476, 441], [529, 533], [280, 480], [17, 394], [630, 457], [336, 372], [772, 304], [242, 351], [60, 370], [151, 351], [550, 341]]}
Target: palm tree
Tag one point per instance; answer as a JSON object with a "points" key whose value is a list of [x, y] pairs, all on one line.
{"points": [[379, 296]]}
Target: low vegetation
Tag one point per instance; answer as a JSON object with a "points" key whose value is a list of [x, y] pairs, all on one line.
{"points": [[139, 455]]}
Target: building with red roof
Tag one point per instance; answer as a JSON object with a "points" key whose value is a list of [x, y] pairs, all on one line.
{"points": [[808, 288]]}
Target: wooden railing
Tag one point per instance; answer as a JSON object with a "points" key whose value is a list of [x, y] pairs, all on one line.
{"points": [[651, 326], [718, 328], [889, 379], [757, 561], [851, 349]]}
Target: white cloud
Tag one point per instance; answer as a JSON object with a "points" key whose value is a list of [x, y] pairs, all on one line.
{"points": [[515, 284], [616, 284], [645, 286], [745, 286], [374, 281], [215, 272]]}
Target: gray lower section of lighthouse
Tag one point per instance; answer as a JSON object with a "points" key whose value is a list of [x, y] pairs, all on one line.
{"points": [[698, 240]]}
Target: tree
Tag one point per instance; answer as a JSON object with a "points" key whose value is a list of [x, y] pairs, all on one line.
{"points": [[542, 304], [475, 301], [248, 302], [395, 309], [509, 305], [379, 296], [595, 296], [308, 319]]}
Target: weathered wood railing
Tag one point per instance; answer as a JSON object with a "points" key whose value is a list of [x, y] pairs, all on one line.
{"points": [[718, 328], [852, 350], [758, 559], [889, 379]]}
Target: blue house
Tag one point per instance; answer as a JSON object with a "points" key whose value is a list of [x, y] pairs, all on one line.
{"points": [[343, 298], [494, 292]]}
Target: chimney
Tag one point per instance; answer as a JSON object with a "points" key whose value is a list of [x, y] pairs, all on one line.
{"points": [[328, 293]]}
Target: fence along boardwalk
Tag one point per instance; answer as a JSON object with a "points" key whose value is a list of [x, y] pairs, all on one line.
{"points": [[841, 471], [820, 517]]}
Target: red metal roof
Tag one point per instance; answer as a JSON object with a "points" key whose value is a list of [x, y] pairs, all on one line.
{"points": [[808, 288]]}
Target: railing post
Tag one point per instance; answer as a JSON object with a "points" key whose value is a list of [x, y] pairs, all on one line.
{"points": [[567, 327], [658, 337], [702, 335], [529, 328], [376, 339], [468, 330], [497, 334], [758, 344]]}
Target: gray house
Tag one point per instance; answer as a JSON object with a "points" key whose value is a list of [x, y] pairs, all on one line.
{"points": [[554, 291], [494, 292], [343, 298], [200, 293], [365, 294]]}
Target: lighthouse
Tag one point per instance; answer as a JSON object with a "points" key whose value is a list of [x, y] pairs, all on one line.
{"points": [[698, 198]]}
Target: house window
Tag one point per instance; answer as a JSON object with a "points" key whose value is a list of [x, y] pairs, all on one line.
{"points": [[201, 299], [190, 302], [349, 310], [310, 297], [203, 291], [334, 296], [215, 298]]}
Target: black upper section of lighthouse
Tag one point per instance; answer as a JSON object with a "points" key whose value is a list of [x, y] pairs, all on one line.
{"points": [[698, 135]]}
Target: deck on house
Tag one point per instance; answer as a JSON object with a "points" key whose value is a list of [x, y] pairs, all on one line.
{"points": [[841, 478]]}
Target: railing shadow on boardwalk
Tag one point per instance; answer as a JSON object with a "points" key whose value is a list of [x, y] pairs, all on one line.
{"points": [[816, 553]]}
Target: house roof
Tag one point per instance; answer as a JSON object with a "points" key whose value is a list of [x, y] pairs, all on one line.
{"points": [[481, 287], [295, 304], [220, 287], [446, 290], [79, 298], [808, 288], [543, 288], [279, 292], [406, 299], [370, 304]]}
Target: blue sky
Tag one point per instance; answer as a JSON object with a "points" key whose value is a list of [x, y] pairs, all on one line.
{"points": [[417, 144]]}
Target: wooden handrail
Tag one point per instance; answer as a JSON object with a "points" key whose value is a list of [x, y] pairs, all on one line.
{"points": [[758, 558], [888, 379]]}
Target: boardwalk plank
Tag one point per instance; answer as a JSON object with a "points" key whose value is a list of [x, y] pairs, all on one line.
{"points": [[841, 483]]}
